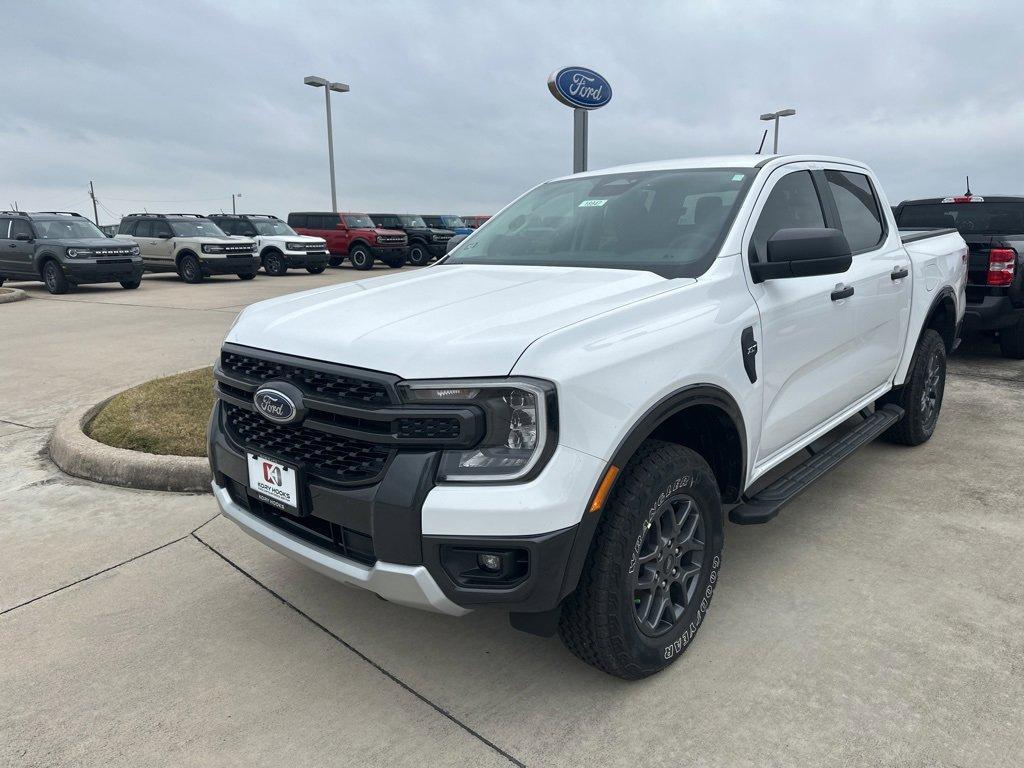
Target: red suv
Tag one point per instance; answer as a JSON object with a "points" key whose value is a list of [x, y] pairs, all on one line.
{"points": [[353, 235]]}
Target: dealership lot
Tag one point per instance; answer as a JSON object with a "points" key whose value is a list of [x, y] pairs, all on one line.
{"points": [[878, 621]]}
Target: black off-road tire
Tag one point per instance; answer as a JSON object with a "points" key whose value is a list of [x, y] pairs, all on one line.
{"points": [[130, 285], [2, 279], [189, 269], [1011, 340], [246, 275], [275, 264], [921, 397], [335, 261], [419, 256], [361, 258], [600, 621], [53, 277], [316, 269], [395, 263]]}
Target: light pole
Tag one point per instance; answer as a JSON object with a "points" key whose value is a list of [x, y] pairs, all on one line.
{"points": [[328, 86], [775, 116], [233, 202]]}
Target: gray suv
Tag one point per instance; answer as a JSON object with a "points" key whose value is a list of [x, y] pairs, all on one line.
{"points": [[64, 249]]}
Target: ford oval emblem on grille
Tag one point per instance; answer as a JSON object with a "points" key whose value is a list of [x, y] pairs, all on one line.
{"points": [[276, 406]]}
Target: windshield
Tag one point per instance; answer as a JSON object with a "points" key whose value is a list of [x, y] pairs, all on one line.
{"points": [[412, 221], [65, 229], [968, 218], [271, 227], [358, 221], [195, 228], [668, 222], [452, 222]]}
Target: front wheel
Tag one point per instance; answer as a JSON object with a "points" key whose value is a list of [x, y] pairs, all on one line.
{"points": [[652, 569], [316, 269], [274, 264], [1011, 340], [419, 256], [54, 278], [189, 269], [130, 285], [361, 258], [921, 396], [246, 275]]}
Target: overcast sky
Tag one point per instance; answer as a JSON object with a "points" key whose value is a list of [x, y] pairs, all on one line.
{"points": [[174, 106]]}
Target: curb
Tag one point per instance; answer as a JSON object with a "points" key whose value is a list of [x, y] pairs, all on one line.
{"points": [[7, 295], [79, 455]]}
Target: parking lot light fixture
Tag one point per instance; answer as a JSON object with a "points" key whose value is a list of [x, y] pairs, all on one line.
{"points": [[774, 116], [328, 86]]}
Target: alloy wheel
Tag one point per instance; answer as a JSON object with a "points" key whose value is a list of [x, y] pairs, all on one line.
{"points": [[931, 396]]}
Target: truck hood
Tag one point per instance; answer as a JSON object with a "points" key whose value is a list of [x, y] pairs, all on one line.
{"points": [[90, 242], [443, 321]]}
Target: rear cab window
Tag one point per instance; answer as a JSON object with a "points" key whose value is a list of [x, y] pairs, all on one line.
{"points": [[970, 218]]}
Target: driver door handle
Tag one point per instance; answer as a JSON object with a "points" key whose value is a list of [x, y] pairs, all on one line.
{"points": [[898, 273], [842, 292]]}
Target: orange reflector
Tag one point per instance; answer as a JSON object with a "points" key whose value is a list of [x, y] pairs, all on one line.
{"points": [[604, 488]]}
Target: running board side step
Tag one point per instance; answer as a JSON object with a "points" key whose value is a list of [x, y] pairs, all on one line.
{"points": [[766, 505]]}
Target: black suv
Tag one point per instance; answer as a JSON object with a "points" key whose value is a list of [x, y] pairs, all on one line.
{"points": [[64, 249], [993, 228], [425, 243]]}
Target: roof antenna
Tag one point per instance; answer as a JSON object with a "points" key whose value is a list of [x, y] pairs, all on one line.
{"points": [[968, 186], [763, 137]]}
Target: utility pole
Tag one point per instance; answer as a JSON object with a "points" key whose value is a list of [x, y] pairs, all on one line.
{"points": [[95, 213], [239, 194]]}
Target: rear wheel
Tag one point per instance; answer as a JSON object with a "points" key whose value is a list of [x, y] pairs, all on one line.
{"points": [[335, 261], [1011, 340], [418, 255], [921, 397], [247, 276], [652, 569], [395, 263], [361, 258], [316, 269], [189, 269], [54, 278], [274, 264], [130, 285]]}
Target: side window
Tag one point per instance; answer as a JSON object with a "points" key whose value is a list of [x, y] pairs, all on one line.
{"points": [[5, 227], [329, 222], [859, 213], [161, 229], [297, 220], [127, 227], [229, 227], [792, 204], [20, 227]]}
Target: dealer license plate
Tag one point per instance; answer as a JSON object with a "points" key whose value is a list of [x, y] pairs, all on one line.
{"points": [[274, 483]]}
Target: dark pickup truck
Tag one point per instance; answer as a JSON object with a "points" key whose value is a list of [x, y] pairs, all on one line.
{"points": [[993, 228]]}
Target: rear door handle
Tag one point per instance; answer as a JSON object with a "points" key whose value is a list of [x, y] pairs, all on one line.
{"points": [[842, 292], [898, 273]]}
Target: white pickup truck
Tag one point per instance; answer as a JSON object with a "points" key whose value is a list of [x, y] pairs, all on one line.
{"points": [[554, 418]]}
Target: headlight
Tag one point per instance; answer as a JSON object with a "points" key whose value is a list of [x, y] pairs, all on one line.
{"points": [[519, 418], [213, 249], [79, 253], [293, 246], [433, 238], [135, 251]]}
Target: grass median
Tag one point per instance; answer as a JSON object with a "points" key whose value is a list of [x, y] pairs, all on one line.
{"points": [[165, 416]]}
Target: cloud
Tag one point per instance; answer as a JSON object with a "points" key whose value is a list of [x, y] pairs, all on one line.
{"points": [[449, 111]]}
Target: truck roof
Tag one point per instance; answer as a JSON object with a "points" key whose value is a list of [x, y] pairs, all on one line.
{"points": [[718, 161]]}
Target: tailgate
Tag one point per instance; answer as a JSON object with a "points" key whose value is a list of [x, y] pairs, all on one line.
{"points": [[977, 265]]}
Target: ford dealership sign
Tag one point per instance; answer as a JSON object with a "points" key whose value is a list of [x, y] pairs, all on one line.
{"points": [[580, 87]]}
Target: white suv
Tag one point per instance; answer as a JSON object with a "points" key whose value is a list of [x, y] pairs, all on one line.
{"points": [[189, 244], [557, 417], [277, 244]]}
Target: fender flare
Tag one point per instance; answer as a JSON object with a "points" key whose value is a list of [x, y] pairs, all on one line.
{"points": [[946, 292], [656, 415], [361, 242], [41, 258], [185, 252]]}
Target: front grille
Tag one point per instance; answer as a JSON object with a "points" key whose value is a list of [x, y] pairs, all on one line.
{"points": [[315, 530], [330, 457], [115, 261], [391, 238], [427, 429], [236, 249], [332, 386]]}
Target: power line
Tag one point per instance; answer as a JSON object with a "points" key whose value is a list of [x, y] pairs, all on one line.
{"points": [[191, 200]]}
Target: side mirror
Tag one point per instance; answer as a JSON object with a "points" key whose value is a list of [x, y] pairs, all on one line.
{"points": [[803, 253], [164, 236], [23, 237]]}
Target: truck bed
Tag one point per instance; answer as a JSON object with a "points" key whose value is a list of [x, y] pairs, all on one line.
{"points": [[913, 235]]}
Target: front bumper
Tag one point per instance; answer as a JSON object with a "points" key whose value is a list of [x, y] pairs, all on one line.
{"points": [[386, 252], [229, 265], [93, 271], [991, 314], [306, 258]]}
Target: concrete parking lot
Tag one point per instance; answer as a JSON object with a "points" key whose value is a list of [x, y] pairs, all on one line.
{"points": [[879, 621]]}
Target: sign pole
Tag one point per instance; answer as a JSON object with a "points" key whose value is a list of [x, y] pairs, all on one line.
{"points": [[579, 140]]}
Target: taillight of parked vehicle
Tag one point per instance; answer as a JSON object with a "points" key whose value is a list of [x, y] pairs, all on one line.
{"points": [[1001, 263]]}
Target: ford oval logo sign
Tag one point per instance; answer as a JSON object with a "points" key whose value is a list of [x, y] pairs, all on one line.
{"points": [[276, 406], [580, 87]]}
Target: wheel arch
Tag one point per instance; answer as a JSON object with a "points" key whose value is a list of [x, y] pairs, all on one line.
{"points": [[182, 254], [357, 242], [42, 258], [941, 318]]}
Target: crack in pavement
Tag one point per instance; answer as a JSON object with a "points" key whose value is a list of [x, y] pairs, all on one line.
{"points": [[19, 424], [391, 676]]}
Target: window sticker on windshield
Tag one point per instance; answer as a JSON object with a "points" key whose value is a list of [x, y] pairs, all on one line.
{"points": [[737, 177], [592, 203]]}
